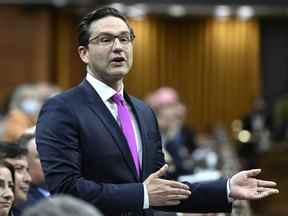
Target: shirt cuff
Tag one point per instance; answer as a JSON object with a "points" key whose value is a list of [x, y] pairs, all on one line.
{"points": [[230, 200], [146, 198]]}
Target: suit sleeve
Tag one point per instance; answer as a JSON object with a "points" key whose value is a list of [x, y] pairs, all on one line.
{"points": [[59, 147], [206, 197]]}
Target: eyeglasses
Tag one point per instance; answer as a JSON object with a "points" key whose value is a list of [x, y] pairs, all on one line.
{"points": [[106, 39]]}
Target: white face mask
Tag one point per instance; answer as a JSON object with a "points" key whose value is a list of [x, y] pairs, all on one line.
{"points": [[30, 106]]}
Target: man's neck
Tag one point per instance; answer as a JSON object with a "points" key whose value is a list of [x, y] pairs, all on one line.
{"points": [[115, 84]]}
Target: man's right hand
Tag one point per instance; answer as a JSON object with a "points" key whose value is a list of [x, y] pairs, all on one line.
{"points": [[163, 192]]}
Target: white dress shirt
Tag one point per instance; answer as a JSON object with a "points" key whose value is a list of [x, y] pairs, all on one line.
{"points": [[106, 92]]}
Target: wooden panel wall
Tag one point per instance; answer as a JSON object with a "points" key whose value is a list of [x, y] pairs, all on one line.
{"points": [[213, 64], [25, 47], [274, 164], [68, 66]]}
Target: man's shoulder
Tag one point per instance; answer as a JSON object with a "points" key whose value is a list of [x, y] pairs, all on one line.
{"points": [[71, 95], [142, 108], [138, 102], [70, 99]]}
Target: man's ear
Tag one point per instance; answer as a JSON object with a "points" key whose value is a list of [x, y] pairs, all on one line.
{"points": [[83, 53]]}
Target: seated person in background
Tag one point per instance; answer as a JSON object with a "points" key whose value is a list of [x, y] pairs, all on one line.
{"points": [[16, 155], [23, 107], [206, 161], [37, 190], [258, 123], [178, 139], [14, 124], [7, 183], [62, 206]]}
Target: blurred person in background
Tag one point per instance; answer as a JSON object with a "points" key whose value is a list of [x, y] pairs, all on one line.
{"points": [[206, 157], [38, 189], [62, 206], [16, 155], [23, 107], [13, 125], [7, 188], [281, 119], [258, 124], [179, 140], [25, 99]]}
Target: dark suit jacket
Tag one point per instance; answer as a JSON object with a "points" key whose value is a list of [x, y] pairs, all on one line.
{"points": [[84, 153], [180, 148]]}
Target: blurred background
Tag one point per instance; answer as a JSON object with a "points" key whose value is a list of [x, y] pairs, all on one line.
{"points": [[227, 62]]}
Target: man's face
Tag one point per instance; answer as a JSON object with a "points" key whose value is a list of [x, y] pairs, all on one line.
{"points": [[35, 168], [22, 178], [109, 63], [170, 116]]}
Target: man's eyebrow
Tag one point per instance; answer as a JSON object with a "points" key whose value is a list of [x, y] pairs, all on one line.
{"points": [[111, 33]]}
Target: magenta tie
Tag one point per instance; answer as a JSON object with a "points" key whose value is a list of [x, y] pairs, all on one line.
{"points": [[126, 125]]}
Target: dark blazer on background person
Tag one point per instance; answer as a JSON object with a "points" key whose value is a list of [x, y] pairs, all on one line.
{"points": [[84, 153], [35, 195], [180, 148]]}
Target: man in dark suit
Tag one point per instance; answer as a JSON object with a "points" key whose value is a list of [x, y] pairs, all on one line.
{"points": [[100, 144]]}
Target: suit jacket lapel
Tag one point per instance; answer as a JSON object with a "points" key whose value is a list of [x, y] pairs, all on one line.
{"points": [[99, 108]]}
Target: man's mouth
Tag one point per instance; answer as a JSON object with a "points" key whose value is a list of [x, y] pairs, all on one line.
{"points": [[25, 189], [117, 60]]}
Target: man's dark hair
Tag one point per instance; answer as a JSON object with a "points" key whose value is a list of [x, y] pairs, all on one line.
{"points": [[12, 150], [84, 26]]}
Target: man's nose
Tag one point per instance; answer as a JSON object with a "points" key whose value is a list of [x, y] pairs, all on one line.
{"points": [[27, 177], [117, 45]]}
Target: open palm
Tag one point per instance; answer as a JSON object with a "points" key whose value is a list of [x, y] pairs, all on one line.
{"points": [[244, 186]]}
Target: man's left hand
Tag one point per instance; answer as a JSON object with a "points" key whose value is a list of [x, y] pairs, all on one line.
{"points": [[244, 186]]}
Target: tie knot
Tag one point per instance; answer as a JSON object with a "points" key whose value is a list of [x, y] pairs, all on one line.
{"points": [[118, 99]]}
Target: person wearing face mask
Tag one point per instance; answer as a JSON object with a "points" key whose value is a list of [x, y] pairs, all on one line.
{"points": [[16, 155], [23, 108], [25, 99], [7, 182]]}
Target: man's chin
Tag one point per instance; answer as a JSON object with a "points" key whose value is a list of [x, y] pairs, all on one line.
{"points": [[118, 74], [22, 198]]}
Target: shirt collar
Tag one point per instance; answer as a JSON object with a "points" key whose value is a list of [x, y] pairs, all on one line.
{"points": [[104, 91], [44, 192]]}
